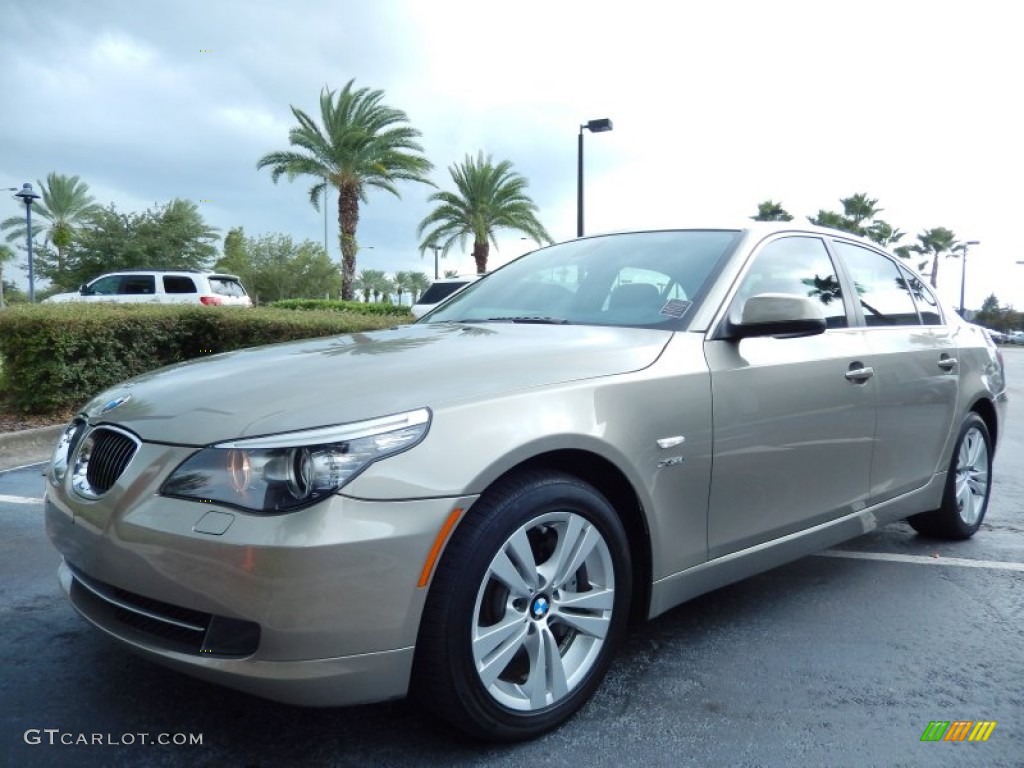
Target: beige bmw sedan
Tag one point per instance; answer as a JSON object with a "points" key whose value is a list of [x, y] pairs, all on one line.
{"points": [[472, 509]]}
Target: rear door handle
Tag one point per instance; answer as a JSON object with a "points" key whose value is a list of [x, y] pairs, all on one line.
{"points": [[859, 374], [947, 364]]}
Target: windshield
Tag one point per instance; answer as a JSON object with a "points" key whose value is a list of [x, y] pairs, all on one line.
{"points": [[640, 279]]}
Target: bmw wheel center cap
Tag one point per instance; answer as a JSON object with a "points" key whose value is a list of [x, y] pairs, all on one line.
{"points": [[540, 607]]}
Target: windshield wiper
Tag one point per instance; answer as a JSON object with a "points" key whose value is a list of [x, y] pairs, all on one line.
{"points": [[535, 319]]}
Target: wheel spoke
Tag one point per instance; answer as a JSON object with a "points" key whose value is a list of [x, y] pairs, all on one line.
{"points": [[492, 665], [574, 548], [546, 677], [966, 504], [505, 571], [594, 600], [486, 639], [521, 553], [595, 626]]}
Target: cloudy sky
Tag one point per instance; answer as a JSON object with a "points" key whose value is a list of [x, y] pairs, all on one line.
{"points": [[716, 106]]}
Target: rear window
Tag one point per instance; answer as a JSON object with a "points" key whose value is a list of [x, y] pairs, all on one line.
{"points": [[178, 284], [137, 284], [439, 291], [226, 286]]}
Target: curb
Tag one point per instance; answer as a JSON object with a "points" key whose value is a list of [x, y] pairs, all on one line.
{"points": [[27, 446]]}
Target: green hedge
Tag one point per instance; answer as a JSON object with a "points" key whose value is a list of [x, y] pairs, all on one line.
{"points": [[56, 357], [393, 310]]}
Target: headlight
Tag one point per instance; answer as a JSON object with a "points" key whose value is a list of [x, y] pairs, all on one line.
{"points": [[62, 453], [291, 470]]}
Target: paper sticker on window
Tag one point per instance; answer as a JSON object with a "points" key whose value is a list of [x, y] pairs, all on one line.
{"points": [[675, 307]]}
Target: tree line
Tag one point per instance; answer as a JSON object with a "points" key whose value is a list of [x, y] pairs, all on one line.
{"points": [[76, 239], [1000, 318]]}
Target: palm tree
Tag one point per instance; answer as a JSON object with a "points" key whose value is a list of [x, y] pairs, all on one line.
{"points": [[383, 287], [832, 220], [488, 197], [418, 283], [769, 210], [934, 243], [6, 254], [402, 284], [883, 233], [65, 204], [451, 273], [859, 209], [366, 280], [361, 143]]}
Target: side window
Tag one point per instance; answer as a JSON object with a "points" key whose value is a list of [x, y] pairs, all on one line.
{"points": [[105, 286], [137, 284], [801, 266], [883, 290], [178, 284], [927, 306]]}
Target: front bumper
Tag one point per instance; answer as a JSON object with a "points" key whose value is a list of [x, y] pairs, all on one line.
{"points": [[341, 681], [316, 607]]}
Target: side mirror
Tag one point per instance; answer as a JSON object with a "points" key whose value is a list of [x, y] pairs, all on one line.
{"points": [[780, 315], [84, 289]]}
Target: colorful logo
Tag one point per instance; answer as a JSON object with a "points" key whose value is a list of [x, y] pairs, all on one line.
{"points": [[958, 730]]}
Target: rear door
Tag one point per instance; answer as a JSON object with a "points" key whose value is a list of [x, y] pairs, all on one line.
{"points": [[916, 369], [137, 288], [179, 289], [793, 420]]}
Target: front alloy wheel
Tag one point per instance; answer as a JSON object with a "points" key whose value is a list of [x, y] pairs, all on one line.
{"points": [[526, 608], [543, 611]]}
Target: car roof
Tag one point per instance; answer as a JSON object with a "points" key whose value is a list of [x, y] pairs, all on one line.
{"points": [[142, 271]]}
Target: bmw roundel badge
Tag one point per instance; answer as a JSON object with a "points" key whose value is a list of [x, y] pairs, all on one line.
{"points": [[115, 403]]}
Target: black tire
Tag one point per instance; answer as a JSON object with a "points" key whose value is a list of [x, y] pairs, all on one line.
{"points": [[524, 695], [968, 486]]}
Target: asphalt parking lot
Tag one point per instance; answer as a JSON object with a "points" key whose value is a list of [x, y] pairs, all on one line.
{"points": [[840, 659]]}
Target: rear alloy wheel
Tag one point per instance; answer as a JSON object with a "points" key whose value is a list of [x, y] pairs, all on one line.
{"points": [[526, 608], [968, 485]]}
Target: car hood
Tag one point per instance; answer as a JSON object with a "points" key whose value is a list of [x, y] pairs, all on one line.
{"points": [[341, 379], [60, 297]]}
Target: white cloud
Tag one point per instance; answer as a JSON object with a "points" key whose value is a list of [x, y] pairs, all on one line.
{"points": [[716, 107]]}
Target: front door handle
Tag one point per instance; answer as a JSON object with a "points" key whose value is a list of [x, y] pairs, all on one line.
{"points": [[858, 374], [947, 364]]}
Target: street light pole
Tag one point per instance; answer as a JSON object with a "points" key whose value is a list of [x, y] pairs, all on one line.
{"points": [[963, 275], [436, 249], [28, 197], [594, 126]]}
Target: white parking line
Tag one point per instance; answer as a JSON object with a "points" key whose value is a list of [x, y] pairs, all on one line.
{"points": [[19, 500], [24, 466], [960, 562]]}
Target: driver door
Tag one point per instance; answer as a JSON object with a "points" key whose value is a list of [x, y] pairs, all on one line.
{"points": [[793, 432]]}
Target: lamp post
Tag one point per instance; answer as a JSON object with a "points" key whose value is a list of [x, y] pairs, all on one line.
{"points": [[28, 197], [436, 249], [963, 275], [594, 126]]}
